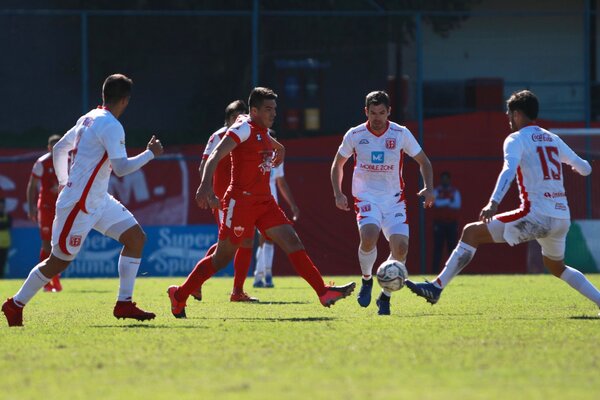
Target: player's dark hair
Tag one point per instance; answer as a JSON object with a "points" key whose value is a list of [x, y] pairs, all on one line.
{"points": [[376, 98], [54, 139], [524, 101], [235, 107], [115, 88], [260, 94]]}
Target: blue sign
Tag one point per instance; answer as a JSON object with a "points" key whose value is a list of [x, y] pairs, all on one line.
{"points": [[169, 251], [377, 157]]}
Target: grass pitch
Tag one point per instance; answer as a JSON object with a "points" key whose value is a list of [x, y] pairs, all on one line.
{"points": [[518, 337]]}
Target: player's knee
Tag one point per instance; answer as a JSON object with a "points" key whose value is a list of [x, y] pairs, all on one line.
{"points": [[469, 233], [136, 240]]}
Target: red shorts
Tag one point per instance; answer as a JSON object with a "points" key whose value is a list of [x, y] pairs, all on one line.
{"points": [[241, 215], [45, 218]]}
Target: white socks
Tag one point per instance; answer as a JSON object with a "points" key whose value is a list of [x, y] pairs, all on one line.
{"points": [[460, 257], [259, 268], [267, 257], [264, 261], [34, 282], [366, 261], [128, 268], [580, 283]]}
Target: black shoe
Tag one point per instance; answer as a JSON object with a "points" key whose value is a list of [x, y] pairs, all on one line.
{"points": [[364, 295], [383, 303]]}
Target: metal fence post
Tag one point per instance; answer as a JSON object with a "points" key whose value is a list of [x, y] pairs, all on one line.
{"points": [[84, 62]]}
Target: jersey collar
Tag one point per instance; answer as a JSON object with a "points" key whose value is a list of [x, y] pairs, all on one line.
{"points": [[387, 126]]}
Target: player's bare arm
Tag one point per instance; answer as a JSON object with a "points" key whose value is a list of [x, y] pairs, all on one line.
{"points": [[427, 174], [337, 174], [286, 192], [32, 195], [205, 195], [279, 151]]}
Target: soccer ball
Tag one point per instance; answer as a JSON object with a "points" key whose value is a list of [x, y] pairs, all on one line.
{"points": [[391, 275]]}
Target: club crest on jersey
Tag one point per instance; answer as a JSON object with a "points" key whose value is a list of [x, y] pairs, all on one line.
{"points": [[365, 208], [390, 143], [75, 240], [267, 164], [238, 231], [363, 141], [377, 157]]}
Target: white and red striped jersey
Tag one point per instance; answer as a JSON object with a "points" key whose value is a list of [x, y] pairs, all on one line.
{"points": [[536, 156], [96, 137], [378, 160]]}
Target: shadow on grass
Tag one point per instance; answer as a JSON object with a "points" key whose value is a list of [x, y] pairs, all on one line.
{"points": [[280, 302], [144, 326], [294, 319], [90, 291], [585, 317]]}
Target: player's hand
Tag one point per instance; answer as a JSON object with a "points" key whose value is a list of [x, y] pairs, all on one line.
{"points": [[428, 195], [205, 197], [488, 212], [295, 213], [341, 202], [32, 214], [155, 146]]}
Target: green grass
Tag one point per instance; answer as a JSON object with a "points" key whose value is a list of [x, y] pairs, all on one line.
{"points": [[515, 337]]}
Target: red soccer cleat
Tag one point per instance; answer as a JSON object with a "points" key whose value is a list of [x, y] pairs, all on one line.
{"points": [[48, 287], [335, 293], [177, 307], [128, 309], [242, 297], [56, 283], [12, 312], [197, 295]]}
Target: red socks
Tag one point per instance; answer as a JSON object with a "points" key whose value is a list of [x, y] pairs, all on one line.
{"points": [[241, 266], [201, 272], [307, 270]]}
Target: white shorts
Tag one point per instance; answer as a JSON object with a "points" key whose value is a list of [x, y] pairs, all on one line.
{"points": [[516, 227], [390, 217], [71, 226]]}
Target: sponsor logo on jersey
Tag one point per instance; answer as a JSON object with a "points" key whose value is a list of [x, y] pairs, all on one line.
{"points": [[238, 231], [541, 137], [390, 143], [376, 168], [75, 240], [554, 195], [377, 157], [365, 208], [560, 206], [363, 141]]}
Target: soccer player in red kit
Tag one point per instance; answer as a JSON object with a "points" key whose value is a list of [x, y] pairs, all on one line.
{"points": [[42, 191], [222, 177], [248, 203]]}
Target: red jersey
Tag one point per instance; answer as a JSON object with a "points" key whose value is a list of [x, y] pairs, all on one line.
{"points": [[251, 160], [222, 175], [43, 169]]}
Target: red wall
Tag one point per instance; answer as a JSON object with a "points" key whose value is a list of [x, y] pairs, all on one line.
{"points": [[468, 146]]}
